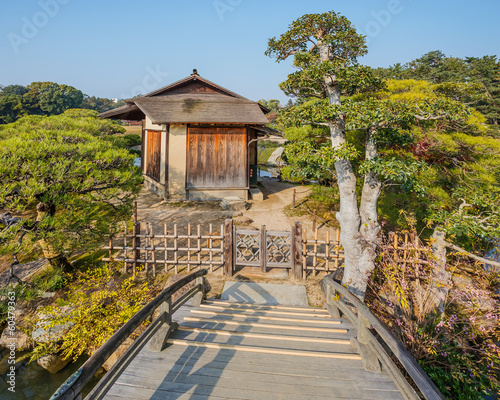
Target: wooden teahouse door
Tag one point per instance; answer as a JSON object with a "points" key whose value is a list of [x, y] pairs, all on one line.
{"points": [[217, 158]]}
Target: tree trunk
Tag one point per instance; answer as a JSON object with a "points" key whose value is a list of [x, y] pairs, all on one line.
{"points": [[348, 215], [55, 258], [441, 277], [370, 227]]}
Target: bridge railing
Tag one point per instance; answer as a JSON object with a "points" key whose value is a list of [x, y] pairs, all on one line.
{"points": [[156, 334], [374, 352]]}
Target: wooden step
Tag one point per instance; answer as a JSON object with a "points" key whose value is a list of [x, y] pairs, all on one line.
{"points": [[271, 326], [263, 317], [265, 336], [253, 306], [265, 350], [251, 311]]}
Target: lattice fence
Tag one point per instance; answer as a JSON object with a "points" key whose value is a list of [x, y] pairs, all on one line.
{"points": [[171, 249]]}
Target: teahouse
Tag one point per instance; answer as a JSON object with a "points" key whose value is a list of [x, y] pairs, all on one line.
{"points": [[198, 139]]}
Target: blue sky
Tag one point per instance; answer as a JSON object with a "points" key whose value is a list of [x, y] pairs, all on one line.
{"points": [[111, 48]]}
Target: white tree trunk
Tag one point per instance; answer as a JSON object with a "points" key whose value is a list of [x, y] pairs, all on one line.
{"points": [[370, 227], [348, 215]]}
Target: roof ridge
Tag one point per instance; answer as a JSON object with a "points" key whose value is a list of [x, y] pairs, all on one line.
{"points": [[192, 77]]}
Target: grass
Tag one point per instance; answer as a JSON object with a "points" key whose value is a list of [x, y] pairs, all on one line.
{"points": [[325, 200], [264, 155], [133, 129]]}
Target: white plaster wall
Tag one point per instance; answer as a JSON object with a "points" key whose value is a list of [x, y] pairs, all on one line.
{"points": [[177, 145]]}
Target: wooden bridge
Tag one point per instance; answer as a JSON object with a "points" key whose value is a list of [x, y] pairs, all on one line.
{"points": [[222, 350]]}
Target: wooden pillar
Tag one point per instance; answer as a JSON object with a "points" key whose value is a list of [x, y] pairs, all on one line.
{"points": [[160, 337], [297, 256], [228, 248], [263, 249]]}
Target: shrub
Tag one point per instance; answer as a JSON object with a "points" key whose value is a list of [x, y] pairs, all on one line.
{"points": [[456, 347], [99, 305]]}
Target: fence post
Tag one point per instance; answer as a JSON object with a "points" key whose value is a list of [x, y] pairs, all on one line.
{"points": [[293, 199], [263, 249], [136, 242], [228, 247], [297, 250]]}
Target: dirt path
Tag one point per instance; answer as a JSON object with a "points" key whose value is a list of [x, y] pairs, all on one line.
{"points": [[269, 212], [277, 195]]}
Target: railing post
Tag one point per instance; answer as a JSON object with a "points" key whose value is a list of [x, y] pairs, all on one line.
{"points": [[228, 247], [297, 251], [362, 341], [198, 297], [333, 310], [160, 337]]}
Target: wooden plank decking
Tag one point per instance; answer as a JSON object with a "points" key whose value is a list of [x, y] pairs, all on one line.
{"points": [[236, 351]]}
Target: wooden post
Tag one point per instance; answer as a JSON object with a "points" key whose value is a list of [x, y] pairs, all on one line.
{"points": [[293, 198], [198, 297], [110, 249], [314, 221], [198, 235], [297, 250], [211, 254], [363, 326], [228, 248], [165, 245], [333, 310], [158, 340], [189, 249], [263, 249], [125, 244], [304, 253], [315, 257], [327, 252], [337, 249], [176, 251], [153, 250], [136, 243]]}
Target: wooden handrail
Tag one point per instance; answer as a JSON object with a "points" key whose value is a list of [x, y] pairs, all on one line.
{"points": [[365, 319], [72, 388]]}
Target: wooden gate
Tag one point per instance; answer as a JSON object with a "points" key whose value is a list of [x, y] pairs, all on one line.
{"points": [[263, 249]]}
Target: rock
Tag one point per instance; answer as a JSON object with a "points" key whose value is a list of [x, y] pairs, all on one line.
{"points": [[52, 363], [117, 354], [276, 157], [256, 194], [242, 221], [52, 334], [233, 203], [20, 339], [4, 365], [48, 295]]}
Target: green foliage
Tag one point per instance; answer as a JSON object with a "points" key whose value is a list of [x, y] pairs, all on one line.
{"points": [[49, 98], [334, 29], [470, 80], [50, 280], [85, 184], [273, 105], [311, 157], [22, 293], [99, 304], [100, 104], [132, 139], [397, 171]]}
